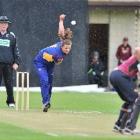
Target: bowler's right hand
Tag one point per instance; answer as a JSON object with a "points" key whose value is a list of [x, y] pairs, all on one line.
{"points": [[62, 17]]}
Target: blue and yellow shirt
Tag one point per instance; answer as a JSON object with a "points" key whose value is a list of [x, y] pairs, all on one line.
{"points": [[50, 55]]}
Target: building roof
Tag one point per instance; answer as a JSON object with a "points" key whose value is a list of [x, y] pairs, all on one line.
{"points": [[114, 3]]}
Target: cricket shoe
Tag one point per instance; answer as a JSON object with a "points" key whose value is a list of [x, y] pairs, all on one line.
{"points": [[128, 131], [11, 105], [46, 107], [117, 129]]}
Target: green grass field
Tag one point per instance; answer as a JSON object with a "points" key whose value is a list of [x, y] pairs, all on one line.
{"points": [[73, 116]]}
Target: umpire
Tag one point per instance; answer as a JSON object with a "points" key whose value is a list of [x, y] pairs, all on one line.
{"points": [[9, 58]]}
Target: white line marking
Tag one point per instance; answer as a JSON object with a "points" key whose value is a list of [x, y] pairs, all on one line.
{"points": [[53, 134], [82, 112], [67, 134]]}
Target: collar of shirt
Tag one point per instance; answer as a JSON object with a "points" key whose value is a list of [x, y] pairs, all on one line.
{"points": [[3, 34]]}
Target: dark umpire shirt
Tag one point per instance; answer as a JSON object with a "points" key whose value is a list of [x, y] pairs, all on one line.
{"points": [[9, 52]]}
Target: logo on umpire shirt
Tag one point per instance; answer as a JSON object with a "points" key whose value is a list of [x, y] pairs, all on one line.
{"points": [[4, 43]]}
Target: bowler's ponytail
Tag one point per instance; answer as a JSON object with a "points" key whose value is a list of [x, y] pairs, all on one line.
{"points": [[67, 34]]}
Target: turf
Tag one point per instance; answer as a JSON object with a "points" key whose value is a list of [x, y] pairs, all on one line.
{"points": [[63, 118], [107, 103], [11, 132]]}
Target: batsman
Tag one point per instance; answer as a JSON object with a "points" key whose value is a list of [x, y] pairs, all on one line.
{"points": [[121, 79]]}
